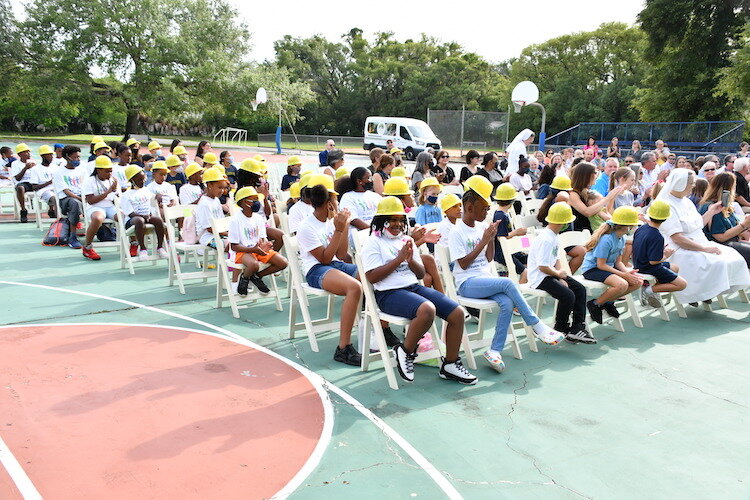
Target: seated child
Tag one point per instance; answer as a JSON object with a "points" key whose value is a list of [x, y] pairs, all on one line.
{"points": [[191, 192], [505, 195], [209, 206], [138, 211]]}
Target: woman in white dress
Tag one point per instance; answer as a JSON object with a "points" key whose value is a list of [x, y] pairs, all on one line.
{"points": [[709, 269], [516, 149]]}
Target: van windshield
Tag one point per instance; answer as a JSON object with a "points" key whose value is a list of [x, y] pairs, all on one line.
{"points": [[420, 131]]}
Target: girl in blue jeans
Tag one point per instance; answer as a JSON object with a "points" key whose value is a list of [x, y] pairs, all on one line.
{"points": [[472, 247]]}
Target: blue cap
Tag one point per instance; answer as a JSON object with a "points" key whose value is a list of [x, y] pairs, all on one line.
{"points": [[58, 145]]}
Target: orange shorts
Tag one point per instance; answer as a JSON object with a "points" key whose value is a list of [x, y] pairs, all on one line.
{"points": [[261, 258]]}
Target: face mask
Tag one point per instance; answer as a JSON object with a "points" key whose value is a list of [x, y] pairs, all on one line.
{"points": [[389, 234], [230, 160], [46, 162], [432, 199], [75, 163], [255, 206], [369, 186]]}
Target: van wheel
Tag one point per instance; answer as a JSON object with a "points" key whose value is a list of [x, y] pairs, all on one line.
{"points": [[410, 154], [369, 147]]}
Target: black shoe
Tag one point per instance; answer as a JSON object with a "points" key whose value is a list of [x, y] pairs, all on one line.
{"points": [[24, 216], [258, 282], [242, 284], [609, 308], [348, 355], [51, 212], [391, 340], [595, 311], [474, 312], [694, 304], [580, 335], [404, 362], [456, 371]]}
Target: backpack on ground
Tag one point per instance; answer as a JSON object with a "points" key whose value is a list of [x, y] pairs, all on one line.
{"points": [[58, 233]]}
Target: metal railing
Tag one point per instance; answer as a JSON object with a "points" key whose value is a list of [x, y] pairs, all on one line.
{"points": [[311, 142]]}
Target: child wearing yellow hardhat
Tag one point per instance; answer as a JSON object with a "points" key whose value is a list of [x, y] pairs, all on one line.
{"points": [[191, 192], [209, 205], [302, 208], [20, 172], [545, 273], [428, 212], [604, 263], [450, 205], [472, 246], [393, 265], [649, 254], [41, 178], [99, 190], [248, 244], [137, 208], [174, 176], [166, 193], [506, 195], [293, 167]]}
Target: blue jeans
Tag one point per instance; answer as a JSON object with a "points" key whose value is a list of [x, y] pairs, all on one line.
{"points": [[506, 294]]}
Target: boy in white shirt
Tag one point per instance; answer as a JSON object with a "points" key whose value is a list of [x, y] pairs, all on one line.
{"points": [[248, 244], [99, 192], [138, 211], [450, 204], [166, 193], [68, 181], [191, 192], [20, 172], [472, 248], [544, 273], [41, 179], [209, 206]]}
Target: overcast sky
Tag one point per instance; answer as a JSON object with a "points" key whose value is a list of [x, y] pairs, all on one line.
{"points": [[497, 30]]}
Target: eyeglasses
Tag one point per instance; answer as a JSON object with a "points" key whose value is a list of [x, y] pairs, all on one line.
{"points": [[709, 170], [628, 162], [445, 156]]}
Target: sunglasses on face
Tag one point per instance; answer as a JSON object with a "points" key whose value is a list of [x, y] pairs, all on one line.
{"points": [[709, 170], [444, 156], [628, 162]]}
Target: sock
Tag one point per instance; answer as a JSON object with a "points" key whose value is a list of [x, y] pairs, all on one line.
{"points": [[539, 327], [493, 353]]}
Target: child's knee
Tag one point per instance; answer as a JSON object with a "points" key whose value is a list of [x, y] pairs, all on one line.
{"points": [[426, 310], [680, 283], [456, 317]]}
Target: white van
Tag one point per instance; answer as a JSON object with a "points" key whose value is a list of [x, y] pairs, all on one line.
{"points": [[408, 134]]}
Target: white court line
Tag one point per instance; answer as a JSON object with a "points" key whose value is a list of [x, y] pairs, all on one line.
{"points": [[17, 474], [317, 380]]}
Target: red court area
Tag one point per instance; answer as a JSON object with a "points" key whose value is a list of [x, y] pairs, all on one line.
{"points": [[106, 411]]}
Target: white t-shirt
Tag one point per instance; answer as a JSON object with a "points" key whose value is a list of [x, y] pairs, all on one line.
{"points": [[92, 185], [15, 169], [189, 193], [297, 213], [543, 252], [70, 179], [207, 209], [461, 242], [444, 227], [58, 162], [521, 182], [118, 172], [313, 234], [41, 174], [362, 205], [137, 201], [380, 250], [246, 231], [167, 191]]}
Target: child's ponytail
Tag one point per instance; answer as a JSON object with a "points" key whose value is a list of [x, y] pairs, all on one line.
{"points": [[605, 228]]}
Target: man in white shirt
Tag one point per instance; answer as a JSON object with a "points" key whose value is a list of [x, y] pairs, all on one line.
{"points": [[41, 179], [649, 171], [20, 172]]}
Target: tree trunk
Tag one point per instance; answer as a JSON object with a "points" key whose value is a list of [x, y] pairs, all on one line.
{"points": [[132, 123]]}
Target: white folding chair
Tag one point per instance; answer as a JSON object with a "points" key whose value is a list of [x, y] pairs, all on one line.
{"points": [[530, 207], [527, 221], [299, 297], [225, 283], [125, 234], [98, 245], [177, 249]]}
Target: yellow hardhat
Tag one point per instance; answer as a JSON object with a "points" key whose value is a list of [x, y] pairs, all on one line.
{"points": [[506, 192], [192, 169], [159, 165], [221, 168], [46, 150], [390, 205], [173, 161], [430, 181], [341, 172], [252, 166], [244, 192], [659, 210], [210, 159], [131, 171], [394, 151], [153, 145], [97, 138], [398, 172], [479, 185], [448, 201], [322, 180], [212, 175], [625, 216], [101, 145], [560, 213], [294, 189], [20, 148], [304, 180], [259, 158], [397, 186], [293, 160], [132, 141], [561, 183], [179, 150], [103, 161]]}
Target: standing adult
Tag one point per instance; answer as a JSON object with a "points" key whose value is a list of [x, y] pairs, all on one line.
{"points": [[323, 155], [516, 149], [472, 164], [613, 150], [591, 144], [636, 151], [741, 170], [744, 150], [661, 148]]}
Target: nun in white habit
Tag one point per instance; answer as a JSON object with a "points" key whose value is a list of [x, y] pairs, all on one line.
{"points": [[709, 269], [516, 149]]}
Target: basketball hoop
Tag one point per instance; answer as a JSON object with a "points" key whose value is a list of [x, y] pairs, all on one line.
{"points": [[518, 105], [254, 104]]}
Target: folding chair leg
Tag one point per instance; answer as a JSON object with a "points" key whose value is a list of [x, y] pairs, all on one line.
{"points": [[385, 355], [309, 326], [679, 307], [516, 346], [219, 296], [663, 312], [292, 314], [743, 296], [275, 289], [634, 315], [468, 353], [722, 300]]}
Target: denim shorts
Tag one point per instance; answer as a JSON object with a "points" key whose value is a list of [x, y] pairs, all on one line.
{"points": [[596, 274], [662, 272], [109, 212], [404, 302], [317, 272]]}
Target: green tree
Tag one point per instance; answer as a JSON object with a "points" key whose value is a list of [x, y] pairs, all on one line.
{"points": [[734, 83], [689, 44]]}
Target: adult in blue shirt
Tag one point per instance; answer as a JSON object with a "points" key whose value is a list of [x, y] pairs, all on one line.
{"points": [[323, 155], [601, 185]]}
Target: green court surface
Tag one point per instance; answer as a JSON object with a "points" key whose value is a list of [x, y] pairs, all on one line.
{"points": [[658, 412]]}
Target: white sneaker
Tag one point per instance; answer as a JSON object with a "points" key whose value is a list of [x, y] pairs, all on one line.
{"points": [[404, 362], [651, 297], [495, 360], [143, 255], [162, 253], [546, 334], [456, 371]]}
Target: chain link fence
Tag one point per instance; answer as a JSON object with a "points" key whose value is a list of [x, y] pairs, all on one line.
{"points": [[463, 130], [311, 142]]}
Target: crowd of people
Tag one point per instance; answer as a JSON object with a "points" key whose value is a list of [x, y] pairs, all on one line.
{"points": [[658, 223]]}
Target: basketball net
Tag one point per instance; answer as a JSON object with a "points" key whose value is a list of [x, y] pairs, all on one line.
{"points": [[518, 105], [254, 104]]}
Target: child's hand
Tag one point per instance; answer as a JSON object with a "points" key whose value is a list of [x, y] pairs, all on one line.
{"points": [[431, 236], [632, 278], [405, 252], [668, 252], [490, 232], [418, 233], [113, 187], [265, 245], [562, 274], [521, 231], [341, 219]]}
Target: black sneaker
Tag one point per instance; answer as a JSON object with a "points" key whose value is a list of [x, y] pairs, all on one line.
{"points": [[242, 285], [609, 308], [391, 340], [595, 311], [580, 335], [456, 371], [24, 216], [473, 311], [404, 362], [348, 355], [258, 282], [51, 212]]}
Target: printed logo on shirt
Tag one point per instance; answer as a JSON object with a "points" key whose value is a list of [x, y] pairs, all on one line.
{"points": [[71, 181]]}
